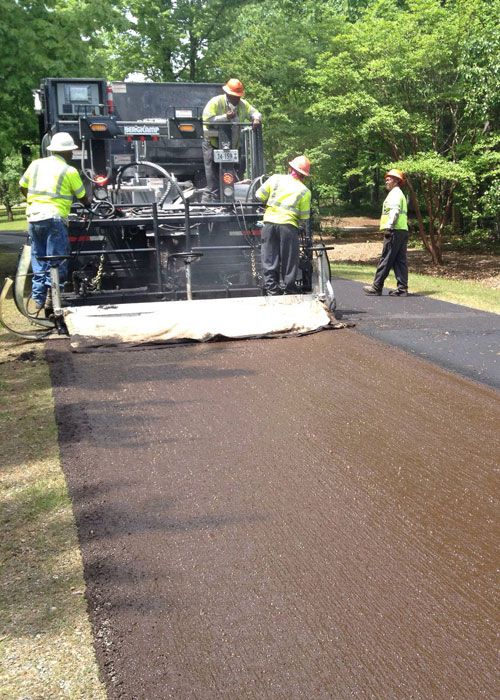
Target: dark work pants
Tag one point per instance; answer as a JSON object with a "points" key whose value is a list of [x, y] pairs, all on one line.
{"points": [[211, 170], [394, 257], [280, 254]]}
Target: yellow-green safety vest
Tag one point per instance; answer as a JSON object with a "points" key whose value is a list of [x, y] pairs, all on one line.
{"points": [[52, 183], [395, 199], [215, 111], [288, 201]]}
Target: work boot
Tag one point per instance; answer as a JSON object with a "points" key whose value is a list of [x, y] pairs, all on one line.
{"points": [[33, 308], [398, 293], [372, 291]]}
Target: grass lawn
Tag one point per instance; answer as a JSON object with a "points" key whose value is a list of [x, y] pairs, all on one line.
{"points": [[470, 294], [46, 648], [16, 225]]}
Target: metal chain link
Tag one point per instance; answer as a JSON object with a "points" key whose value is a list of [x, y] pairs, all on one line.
{"points": [[96, 281]]}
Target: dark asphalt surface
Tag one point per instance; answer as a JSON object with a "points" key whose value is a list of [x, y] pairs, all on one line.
{"points": [[283, 519], [12, 240], [458, 338], [291, 519]]}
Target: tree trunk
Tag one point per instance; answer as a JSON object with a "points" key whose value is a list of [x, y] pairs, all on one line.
{"points": [[9, 210]]}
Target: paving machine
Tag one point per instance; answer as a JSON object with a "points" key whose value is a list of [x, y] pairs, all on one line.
{"points": [[152, 260]]}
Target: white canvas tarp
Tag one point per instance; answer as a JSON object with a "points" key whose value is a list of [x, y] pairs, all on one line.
{"points": [[203, 319]]}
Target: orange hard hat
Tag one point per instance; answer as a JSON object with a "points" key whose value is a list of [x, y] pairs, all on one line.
{"points": [[301, 164], [398, 174], [234, 87]]}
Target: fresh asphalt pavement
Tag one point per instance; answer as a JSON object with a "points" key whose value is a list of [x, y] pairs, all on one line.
{"points": [[461, 339], [12, 240]]}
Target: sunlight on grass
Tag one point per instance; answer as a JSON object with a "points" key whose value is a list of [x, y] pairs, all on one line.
{"points": [[17, 225], [46, 649], [470, 294]]}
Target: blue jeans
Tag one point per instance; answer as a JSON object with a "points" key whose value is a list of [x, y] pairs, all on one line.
{"points": [[48, 237]]}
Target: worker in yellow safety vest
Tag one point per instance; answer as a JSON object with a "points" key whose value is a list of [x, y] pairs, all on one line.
{"points": [[288, 205], [394, 225], [224, 109], [49, 185]]}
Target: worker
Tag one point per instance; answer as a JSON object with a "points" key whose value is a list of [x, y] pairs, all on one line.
{"points": [[394, 225], [49, 185], [288, 205], [224, 109]]}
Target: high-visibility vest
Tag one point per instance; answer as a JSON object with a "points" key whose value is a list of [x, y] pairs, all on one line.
{"points": [[215, 112], [52, 183], [395, 200], [288, 201]]}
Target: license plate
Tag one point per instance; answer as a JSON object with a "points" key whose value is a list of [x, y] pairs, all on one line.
{"points": [[226, 156]]}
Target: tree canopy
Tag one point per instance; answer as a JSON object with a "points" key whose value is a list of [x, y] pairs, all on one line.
{"points": [[358, 85]]}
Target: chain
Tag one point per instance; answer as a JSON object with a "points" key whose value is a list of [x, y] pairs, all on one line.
{"points": [[96, 281], [253, 263]]}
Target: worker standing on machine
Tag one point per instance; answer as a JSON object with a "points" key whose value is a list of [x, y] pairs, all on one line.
{"points": [[288, 205], [224, 109], [49, 185]]}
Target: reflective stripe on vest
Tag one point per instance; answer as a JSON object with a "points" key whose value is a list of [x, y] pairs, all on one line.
{"points": [[32, 186], [273, 201]]}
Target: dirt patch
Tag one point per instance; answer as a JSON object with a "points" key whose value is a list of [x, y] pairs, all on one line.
{"points": [[360, 242]]}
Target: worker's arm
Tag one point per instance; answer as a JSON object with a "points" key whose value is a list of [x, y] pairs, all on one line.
{"points": [[24, 182], [77, 187], [85, 200], [264, 191], [217, 110], [251, 114]]}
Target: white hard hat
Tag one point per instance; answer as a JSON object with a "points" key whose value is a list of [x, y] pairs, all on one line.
{"points": [[62, 141]]}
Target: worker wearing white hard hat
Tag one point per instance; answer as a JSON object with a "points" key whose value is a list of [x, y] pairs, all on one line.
{"points": [[62, 142], [288, 204], [50, 184]]}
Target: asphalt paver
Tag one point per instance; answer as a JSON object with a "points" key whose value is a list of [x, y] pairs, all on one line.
{"points": [[297, 518]]}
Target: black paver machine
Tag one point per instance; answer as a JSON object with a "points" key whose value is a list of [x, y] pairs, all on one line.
{"points": [[152, 261]]}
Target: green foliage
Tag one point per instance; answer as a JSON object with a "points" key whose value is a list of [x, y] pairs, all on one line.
{"points": [[10, 172], [354, 84], [44, 39], [167, 40]]}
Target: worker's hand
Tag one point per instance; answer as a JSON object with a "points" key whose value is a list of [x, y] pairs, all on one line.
{"points": [[256, 123], [388, 232], [231, 113]]}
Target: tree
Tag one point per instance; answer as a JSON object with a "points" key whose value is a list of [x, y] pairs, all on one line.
{"points": [[44, 39], [168, 40], [10, 172], [383, 98]]}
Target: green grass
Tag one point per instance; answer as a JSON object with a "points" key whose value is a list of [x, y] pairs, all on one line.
{"points": [[16, 225], [470, 294], [46, 646]]}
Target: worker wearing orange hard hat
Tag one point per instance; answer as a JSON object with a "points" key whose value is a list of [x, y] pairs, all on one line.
{"points": [[230, 108], [394, 225], [288, 207]]}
